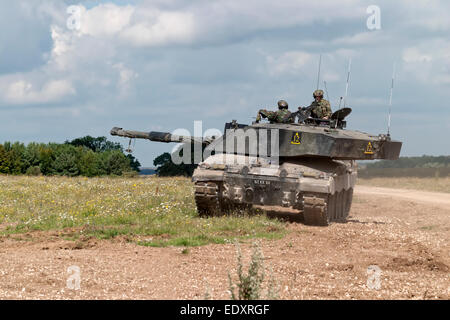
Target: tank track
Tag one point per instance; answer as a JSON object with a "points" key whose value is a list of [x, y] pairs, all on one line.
{"points": [[321, 209], [210, 203], [318, 209], [207, 198]]}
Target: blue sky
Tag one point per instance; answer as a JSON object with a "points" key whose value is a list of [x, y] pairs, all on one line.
{"points": [[161, 65]]}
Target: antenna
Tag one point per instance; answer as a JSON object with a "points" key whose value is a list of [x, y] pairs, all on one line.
{"points": [[326, 90], [318, 73], [390, 101], [346, 88], [348, 79]]}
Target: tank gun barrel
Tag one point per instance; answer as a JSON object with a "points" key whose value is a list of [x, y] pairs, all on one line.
{"points": [[159, 136]]}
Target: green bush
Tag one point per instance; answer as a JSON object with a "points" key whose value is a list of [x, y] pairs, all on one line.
{"points": [[34, 171], [130, 174]]}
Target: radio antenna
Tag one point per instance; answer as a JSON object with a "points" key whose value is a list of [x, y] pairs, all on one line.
{"points": [[318, 73], [326, 90], [346, 88], [390, 101], [348, 79]]}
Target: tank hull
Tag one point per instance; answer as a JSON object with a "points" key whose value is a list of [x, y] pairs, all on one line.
{"points": [[319, 189]]}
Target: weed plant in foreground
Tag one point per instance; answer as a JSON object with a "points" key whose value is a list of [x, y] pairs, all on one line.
{"points": [[249, 285], [152, 211]]}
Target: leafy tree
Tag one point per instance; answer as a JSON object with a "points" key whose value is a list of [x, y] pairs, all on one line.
{"points": [[45, 159], [99, 144], [165, 167], [89, 163], [65, 160], [116, 162], [16, 154], [32, 154], [5, 160], [134, 163]]}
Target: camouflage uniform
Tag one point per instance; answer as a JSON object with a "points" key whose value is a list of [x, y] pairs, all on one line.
{"points": [[322, 108], [280, 116]]}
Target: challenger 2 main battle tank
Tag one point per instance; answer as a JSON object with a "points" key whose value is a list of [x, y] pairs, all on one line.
{"points": [[305, 165]]}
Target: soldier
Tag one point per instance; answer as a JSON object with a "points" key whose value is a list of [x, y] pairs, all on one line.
{"points": [[283, 115], [320, 107]]}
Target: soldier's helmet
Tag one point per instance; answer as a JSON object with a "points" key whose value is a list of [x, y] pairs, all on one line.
{"points": [[282, 104], [318, 93]]}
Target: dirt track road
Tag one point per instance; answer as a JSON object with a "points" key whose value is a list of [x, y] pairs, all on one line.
{"points": [[406, 234], [435, 198]]}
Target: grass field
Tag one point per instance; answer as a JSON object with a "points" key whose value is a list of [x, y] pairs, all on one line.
{"points": [[149, 211], [424, 184]]}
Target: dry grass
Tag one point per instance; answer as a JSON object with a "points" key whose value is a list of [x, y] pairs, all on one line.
{"points": [[150, 211], [424, 184]]}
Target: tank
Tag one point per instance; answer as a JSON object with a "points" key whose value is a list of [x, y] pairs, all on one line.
{"points": [[306, 166]]}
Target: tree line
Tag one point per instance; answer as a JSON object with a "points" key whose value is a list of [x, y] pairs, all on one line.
{"points": [[86, 156], [413, 162]]}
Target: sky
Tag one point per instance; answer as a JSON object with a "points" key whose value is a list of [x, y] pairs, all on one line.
{"points": [[75, 68]]}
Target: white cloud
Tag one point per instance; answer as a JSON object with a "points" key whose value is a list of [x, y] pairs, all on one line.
{"points": [[430, 14], [305, 63], [290, 62], [330, 76], [135, 25], [429, 62], [23, 92], [252, 15], [369, 102], [411, 55], [62, 47], [160, 28], [126, 76], [105, 19], [363, 38]]}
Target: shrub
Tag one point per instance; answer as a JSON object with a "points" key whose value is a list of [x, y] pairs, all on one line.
{"points": [[130, 174], [250, 285], [34, 171]]}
